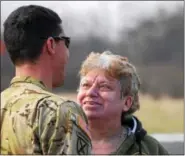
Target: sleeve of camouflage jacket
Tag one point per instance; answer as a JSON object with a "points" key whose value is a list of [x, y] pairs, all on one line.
{"points": [[56, 130]]}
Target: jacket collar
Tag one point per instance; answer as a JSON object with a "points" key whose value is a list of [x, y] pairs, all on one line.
{"points": [[27, 79]]}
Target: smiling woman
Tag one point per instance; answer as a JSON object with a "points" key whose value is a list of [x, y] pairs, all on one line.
{"points": [[108, 94]]}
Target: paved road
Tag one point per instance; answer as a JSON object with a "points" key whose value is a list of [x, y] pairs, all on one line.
{"points": [[174, 147], [173, 143]]}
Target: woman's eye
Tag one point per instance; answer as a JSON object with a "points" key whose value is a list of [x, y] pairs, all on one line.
{"points": [[105, 86], [85, 85]]}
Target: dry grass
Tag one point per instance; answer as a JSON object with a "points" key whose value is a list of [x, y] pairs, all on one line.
{"points": [[165, 115]]}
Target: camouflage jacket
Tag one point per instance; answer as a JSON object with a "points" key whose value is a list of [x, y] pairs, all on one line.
{"points": [[35, 121]]}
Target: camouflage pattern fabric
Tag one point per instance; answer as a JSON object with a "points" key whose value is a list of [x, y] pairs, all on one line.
{"points": [[35, 121]]}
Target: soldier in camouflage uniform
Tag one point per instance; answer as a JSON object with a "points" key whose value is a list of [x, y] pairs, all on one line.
{"points": [[33, 120]]}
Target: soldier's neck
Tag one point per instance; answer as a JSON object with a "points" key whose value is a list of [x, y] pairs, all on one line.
{"points": [[35, 72]]}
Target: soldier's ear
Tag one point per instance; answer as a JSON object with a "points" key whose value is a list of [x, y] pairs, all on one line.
{"points": [[127, 103], [50, 46]]}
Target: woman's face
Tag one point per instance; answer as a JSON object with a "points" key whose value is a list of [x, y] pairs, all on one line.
{"points": [[99, 95]]}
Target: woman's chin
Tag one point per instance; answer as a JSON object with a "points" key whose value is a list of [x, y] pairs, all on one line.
{"points": [[92, 115]]}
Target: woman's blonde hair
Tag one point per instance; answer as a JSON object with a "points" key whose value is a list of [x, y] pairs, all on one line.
{"points": [[117, 67]]}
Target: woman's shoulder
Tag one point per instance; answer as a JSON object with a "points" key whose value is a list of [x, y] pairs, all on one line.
{"points": [[153, 146]]}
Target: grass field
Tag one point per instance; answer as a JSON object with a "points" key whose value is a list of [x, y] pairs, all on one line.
{"points": [[165, 115]]}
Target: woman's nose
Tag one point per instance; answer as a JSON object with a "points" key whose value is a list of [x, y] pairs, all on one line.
{"points": [[92, 91]]}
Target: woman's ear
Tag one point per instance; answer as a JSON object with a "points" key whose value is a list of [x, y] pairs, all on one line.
{"points": [[127, 103], [50, 46]]}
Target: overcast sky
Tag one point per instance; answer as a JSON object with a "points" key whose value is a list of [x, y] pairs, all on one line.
{"points": [[80, 11]]}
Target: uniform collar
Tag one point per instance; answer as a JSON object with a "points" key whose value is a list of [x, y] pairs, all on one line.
{"points": [[27, 79]]}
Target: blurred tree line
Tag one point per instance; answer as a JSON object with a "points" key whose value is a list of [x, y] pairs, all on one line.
{"points": [[155, 46]]}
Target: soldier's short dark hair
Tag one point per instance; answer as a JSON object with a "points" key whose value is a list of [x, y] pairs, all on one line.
{"points": [[26, 30]]}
